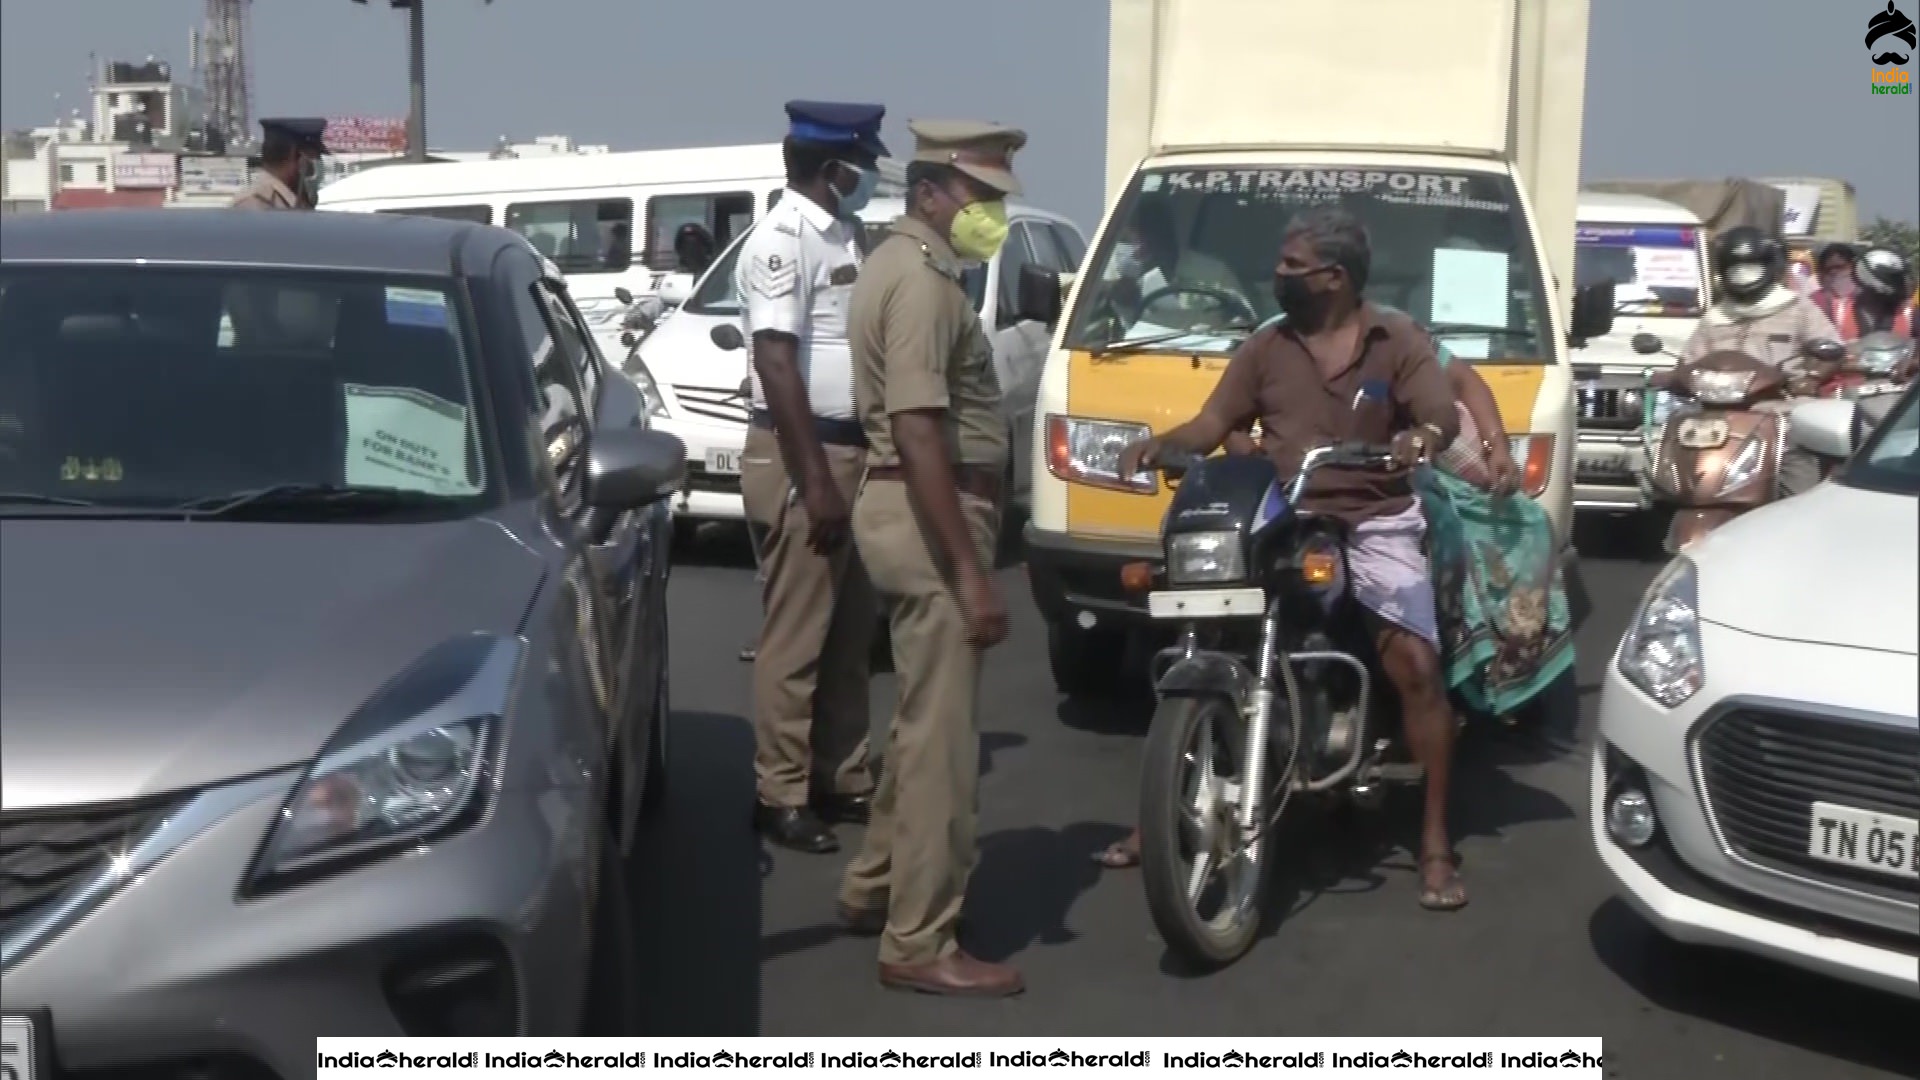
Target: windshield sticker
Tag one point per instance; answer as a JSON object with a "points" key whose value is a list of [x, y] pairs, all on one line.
{"points": [[1469, 288], [416, 307], [1662, 236], [1312, 185], [1666, 268], [400, 437]]}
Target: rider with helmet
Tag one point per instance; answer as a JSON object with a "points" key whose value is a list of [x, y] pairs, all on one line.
{"points": [[1881, 302], [1757, 314]]}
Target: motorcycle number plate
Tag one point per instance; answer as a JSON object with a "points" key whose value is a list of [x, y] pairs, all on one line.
{"points": [[1703, 432], [1206, 603]]}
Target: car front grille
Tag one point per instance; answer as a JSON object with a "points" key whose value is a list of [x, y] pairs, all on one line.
{"points": [[1603, 407], [712, 403], [1763, 770], [46, 854]]}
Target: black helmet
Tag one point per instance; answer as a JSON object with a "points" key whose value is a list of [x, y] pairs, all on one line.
{"points": [[1748, 263], [1884, 274]]}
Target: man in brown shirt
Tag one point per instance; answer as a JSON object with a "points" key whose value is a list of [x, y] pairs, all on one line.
{"points": [[926, 522], [289, 176], [1340, 369]]}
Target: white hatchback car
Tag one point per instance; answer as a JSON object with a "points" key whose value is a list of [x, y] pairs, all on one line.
{"points": [[1756, 785]]}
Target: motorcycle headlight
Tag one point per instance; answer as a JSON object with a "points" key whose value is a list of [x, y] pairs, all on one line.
{"points": [[1744, 466], [651, 399], [380, 786], [1721, 387], [1883, 361], [1203, 558], [1660, 654], [1082, 451]]}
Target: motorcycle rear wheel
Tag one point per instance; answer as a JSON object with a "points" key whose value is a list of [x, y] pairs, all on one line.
{"points": [[1206, 900]]}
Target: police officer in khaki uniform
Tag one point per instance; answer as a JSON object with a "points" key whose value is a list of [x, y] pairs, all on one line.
{"points": [[289, 174], [926, 522]]}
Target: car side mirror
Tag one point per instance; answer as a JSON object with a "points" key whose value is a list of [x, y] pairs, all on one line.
{"points": [[727, 337], [1592, 312], [1647, 344], [1038, 296], [628, 468], [1825, 427], [623, 294]]}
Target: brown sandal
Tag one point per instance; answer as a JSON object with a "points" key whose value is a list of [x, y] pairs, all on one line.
{"points": [[1450, 895]]}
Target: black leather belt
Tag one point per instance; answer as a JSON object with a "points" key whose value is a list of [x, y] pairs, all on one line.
{"points": [[829, 432]]}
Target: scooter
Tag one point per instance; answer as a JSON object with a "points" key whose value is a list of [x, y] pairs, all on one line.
{"points": [[1713, 446], [1877, 364]]}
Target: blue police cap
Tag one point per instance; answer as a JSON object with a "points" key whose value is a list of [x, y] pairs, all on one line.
{"points": [[309, 131], [837, 123]]}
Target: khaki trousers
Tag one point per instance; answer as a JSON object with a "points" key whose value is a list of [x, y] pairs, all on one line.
{"points": [[810, 676], [921, 845]]}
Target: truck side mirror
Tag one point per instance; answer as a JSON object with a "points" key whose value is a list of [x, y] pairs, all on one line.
{"points": [[1647, 344], [726, 337], [621, 294], [1592, 313], [1038, 295]]}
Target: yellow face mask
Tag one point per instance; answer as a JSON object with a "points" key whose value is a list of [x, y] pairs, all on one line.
{"points": [[979, 230]]}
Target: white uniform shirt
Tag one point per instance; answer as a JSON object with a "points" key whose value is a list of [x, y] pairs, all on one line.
{"points": [[795, 276]]}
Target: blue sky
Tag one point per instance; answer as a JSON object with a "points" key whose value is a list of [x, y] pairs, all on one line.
{"points": [[1675, 87]]}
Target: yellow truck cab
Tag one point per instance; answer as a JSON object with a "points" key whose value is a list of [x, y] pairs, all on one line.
{"points": [[1226, 117]]}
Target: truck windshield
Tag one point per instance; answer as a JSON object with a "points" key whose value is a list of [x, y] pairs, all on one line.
{"points": [[1655, 269], [1187, 263]]}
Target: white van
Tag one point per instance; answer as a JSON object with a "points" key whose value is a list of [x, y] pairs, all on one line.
{"points": [[607, 220], [694, 386], [1655, 253]]}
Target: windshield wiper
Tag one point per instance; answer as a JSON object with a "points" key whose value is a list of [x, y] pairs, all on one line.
{"points": [[1447, 329], [283, 495], [34, 498], [1127, 345]]}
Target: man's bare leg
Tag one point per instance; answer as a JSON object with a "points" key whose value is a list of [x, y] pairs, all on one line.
{"points": [[1413, 665]]}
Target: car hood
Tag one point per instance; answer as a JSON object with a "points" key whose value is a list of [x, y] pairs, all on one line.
{"points": [[146, 657], [681, 352], [1835, 566]]}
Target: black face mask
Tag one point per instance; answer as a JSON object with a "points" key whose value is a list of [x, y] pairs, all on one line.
{"points": [[1297, 300]]}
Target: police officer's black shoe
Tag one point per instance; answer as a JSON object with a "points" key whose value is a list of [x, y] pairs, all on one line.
{"points": [[795, 827], [845, 809]]}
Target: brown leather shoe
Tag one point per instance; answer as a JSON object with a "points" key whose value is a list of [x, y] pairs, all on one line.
{"points": [[955, 975]]}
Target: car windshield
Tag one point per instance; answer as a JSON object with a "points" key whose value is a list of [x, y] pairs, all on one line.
{"points": [[152, 387], [715, 296], [1187, 264], [1655, 269], [1890, 460]]}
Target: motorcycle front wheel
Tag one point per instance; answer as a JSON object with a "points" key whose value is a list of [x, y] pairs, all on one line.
{"points": [[1204, 886]]}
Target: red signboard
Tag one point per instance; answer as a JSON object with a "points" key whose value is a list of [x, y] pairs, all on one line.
{"points": [[366, 135]]}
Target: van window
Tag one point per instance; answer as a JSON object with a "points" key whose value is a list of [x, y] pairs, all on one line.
{"points": [[587, 236], [1655, 269], [479, 215], [724, 215]]}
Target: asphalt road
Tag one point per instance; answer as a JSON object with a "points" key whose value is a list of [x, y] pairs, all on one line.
{"points": [[740, 941]]}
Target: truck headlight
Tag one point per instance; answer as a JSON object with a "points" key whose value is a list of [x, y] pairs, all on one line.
{"points": [[1660, 653], [382, 785], [651, 399], [1083, 451], [1205, 558]]}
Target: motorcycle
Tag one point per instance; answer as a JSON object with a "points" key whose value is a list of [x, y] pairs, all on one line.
{"points": [[1713, 445], [1876, 371], [1268, 695]]}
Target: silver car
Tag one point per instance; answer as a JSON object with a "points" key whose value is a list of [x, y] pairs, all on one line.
{"points": [[333, 687]]}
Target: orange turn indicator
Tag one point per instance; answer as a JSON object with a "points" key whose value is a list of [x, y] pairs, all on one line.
{"points": [[1318, 567], [1137, 577]]}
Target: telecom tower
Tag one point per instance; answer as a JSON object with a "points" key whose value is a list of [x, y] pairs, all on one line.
{"points": [[221, 57]]}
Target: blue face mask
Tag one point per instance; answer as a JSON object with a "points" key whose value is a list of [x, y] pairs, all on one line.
{"points": [[852, 202]]}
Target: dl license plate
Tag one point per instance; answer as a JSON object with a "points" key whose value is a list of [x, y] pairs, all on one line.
{"points": [[21, 1055], [723, 462]]}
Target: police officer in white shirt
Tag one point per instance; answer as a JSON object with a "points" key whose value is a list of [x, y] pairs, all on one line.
{"points": [[802, 466]]}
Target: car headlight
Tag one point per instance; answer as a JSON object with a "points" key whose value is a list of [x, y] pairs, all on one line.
{"points": [[1199, 558], [1744, 466], [378, 786], [1082, 451], [1661, 651], [652, 400]]}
